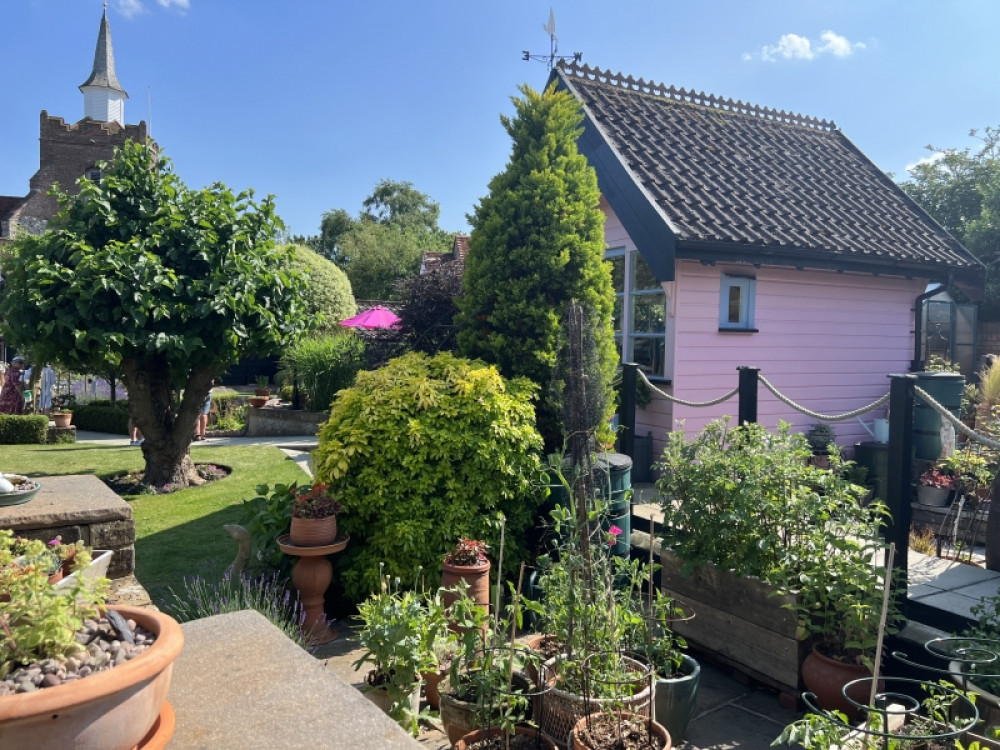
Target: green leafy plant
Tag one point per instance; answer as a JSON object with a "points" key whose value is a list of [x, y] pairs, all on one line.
{"points": [[937, 363], [467, 552], [425, 450], [323, 365], [314, 502], [267, 516], [262, 381], [972, 467], [399, 631], [747, 500], [39, 622]]}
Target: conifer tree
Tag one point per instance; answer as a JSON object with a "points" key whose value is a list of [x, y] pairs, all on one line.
{"points": [[537, 243]]}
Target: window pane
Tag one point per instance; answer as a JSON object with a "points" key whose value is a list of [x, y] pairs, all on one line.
{"points": [[649, 354], [642, 276], [735, 304], [648, 313], [616, 319], [617, 273]]}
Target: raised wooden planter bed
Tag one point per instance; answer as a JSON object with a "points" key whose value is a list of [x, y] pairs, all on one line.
{"points": [[739, 621]]}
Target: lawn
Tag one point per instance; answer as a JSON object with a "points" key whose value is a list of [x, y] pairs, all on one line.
{"points": [[179, 534]]}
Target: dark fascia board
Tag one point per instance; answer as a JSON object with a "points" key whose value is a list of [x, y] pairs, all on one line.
{"points": [[648, 228], [758, 255]]}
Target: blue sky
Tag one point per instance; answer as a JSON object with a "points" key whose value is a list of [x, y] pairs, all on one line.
{"points": [[315, 101]]}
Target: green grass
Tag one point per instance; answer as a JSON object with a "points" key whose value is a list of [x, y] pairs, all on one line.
{"points": [[179, 534]]}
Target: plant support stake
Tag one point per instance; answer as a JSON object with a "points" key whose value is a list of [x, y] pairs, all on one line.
{"points": [[886, 593]]}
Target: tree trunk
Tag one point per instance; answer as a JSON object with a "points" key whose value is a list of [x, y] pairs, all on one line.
{"points": [[167, 428]]}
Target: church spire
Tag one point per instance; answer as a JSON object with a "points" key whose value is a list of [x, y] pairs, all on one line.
{"points": [[103, 97]]}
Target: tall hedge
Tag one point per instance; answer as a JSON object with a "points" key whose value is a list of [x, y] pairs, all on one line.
{"points": [[422, 451], [537, 243]]}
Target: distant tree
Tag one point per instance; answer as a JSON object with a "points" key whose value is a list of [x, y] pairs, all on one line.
{"points": [[172, 285], [384, 243], [428, 308], [537, 243], [327, 295], [961, 190], [333, 226]]}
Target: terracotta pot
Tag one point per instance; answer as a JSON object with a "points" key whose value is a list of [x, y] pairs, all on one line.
{"points": [[659, 736], [482, 734], [431, 692], [827, 678], [111, 710], [62, 419], [257, 401], [461, 717], [265, 392], [313, 532], [476, 576]]}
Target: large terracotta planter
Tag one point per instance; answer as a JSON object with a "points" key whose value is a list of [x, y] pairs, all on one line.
{"points": [[827, 678], [62, 419], [313, 532], [482, 734], [657, 735], [111, 710]]}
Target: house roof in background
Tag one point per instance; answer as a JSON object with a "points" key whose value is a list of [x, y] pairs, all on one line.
{"points": [[735, 181]]}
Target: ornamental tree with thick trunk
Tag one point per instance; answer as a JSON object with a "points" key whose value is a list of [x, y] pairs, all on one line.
{"points": [[537, 244], [169, 284]]}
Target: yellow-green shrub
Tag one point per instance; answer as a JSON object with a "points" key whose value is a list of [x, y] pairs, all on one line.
{"points": [[422, 451]]}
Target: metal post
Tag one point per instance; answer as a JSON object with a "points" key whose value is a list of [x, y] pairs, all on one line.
{"points": [[900, 467], [748, 394], [626, 413]]}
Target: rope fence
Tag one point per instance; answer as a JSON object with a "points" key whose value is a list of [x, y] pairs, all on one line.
{"points": [[819, 416]]}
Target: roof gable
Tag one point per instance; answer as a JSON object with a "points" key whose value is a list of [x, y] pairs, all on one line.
{"points": [[729, 181]]}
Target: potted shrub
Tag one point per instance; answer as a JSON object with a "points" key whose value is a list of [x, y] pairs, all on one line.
{"points": [[974, 656], [748, 526], [398, 633], [314, 516], [262, 388], [934, 487], [467, 562], [62, 410], [99, 698], [820, 437]]}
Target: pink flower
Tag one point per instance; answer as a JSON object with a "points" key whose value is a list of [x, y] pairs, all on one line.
{"points": [[614, 531]]}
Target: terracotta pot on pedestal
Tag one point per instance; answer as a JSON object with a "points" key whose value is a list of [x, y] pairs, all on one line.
{"points": [[476, 576], [62, 419], [313, 532]]}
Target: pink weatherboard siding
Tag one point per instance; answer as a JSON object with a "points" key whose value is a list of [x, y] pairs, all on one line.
{"points": [[825, 340]]}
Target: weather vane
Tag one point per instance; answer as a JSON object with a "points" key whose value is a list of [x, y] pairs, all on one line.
{"points": [[550, 59]]}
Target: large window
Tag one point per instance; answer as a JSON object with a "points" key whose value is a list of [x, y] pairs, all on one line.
{"points": [[640, 311], [736, 302]]}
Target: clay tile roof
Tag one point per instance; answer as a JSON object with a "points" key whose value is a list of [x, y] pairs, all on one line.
{"points": [[725, 173]]}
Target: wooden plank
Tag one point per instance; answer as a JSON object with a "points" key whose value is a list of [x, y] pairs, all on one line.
{"points": [[755, 600]]}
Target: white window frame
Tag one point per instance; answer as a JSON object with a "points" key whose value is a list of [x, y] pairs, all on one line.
{"points": [[748, 297]]}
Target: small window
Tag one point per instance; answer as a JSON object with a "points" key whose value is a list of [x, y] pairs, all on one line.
{"points": [[736, 303], [94, 175]]}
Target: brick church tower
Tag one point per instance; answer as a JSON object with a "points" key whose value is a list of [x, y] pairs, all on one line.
{"points": [[68, 152]]}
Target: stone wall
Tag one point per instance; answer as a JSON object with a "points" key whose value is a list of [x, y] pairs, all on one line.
{"points": [[270, 422]]}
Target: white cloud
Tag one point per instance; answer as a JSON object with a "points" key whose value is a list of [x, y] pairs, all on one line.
{"points": [[182, 4], [796, 47], [838, 45], [932, 159], [129, 8]]}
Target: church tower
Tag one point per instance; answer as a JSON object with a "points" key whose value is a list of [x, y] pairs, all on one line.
{"points": [[103, 97], [68, 152]]}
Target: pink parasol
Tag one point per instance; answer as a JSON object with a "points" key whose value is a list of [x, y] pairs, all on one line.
{"points": [[376, 317]]}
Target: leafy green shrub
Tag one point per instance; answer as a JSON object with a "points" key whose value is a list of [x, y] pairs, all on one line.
{"points": [[421, 452], [23, 428], [101, 416], [327, 294], [230, 412], [267, 516], [323, 365]]}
